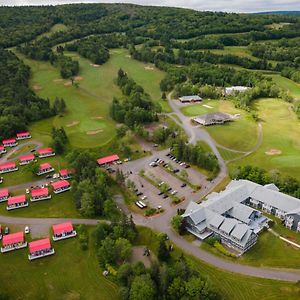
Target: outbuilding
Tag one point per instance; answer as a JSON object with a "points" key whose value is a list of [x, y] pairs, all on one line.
{"points": [[108, 159], [8, 167], [190, 99], [2, 149], [44, 169], [4, 195], [213, 118], [23, 135], [45, 152], [40, 194], [16, 202], [10, 142], [66, 173], [61, 186], [63, 231], [26, 159], [13, 241], [40, 248]]}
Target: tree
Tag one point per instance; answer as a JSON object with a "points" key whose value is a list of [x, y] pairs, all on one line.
{"points": [[111, 210], [163, 253], [87, 205], [123, 249], [176, 223], [184, 174], [142, 287], [107, 253]]}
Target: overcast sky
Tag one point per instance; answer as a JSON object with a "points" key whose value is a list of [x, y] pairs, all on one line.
{"points": [[214, 5]]}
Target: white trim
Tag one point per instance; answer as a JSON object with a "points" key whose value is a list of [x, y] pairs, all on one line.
{"points": [[30, 257], [9, 170], [46, 155], [3, 250], [58, 191], [63, 237], [16, 207], [39, 173], [40, 199]]}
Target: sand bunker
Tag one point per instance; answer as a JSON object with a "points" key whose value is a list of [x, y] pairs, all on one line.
{"points": [[97, 118], [273, 152], [93, 132], [74, 123], [58, 80], [68, 83], [95, 65], [148, 68], [37, 87], [78, 78], [207, 106]]}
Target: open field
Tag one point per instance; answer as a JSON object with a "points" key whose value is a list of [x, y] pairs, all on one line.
{"points": [[277, 117], [55, 28], [229, 285], [87, 120], [56, 277]]}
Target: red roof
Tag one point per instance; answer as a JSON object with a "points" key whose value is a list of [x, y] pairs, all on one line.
{"points": [[39, 245], [40, 192], [8, 141], [60, 184], [64, 227], [65, 172], [45, 166], [13, 238], [16, 199], [1, 147], [3, 193], [8, 165], [27, 157], [23, 133], [45, 151], [107, 159]]}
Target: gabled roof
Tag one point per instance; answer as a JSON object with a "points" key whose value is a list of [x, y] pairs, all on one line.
{"points": [[61, 228], [198, 216], [16, 199], [228, 225], [45, 166], [4, 193], [241, 212], [13, 238], [26, 157], [23, 133], [40, 192], [190, 98], [239, 231], [60, 184], [65, 172], [8, 141], [107, 159], [212, 117], [39, 245], [8, 165], [216, 221], [45, 151]]}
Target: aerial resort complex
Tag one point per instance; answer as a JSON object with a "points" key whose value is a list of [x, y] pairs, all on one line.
{"points": [[235, 214], [149, 152]]}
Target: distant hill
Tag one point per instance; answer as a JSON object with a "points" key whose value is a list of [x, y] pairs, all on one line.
{"points": [[290, 13]]}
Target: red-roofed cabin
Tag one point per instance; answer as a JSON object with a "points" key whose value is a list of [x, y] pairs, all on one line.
{"points": [[23, 135], [10, 142], [4, 195], [44, 169], [40, 248], [8, 167], [107, 159], [61, 186], [2, 149], [40, 194], [45, 152], [63, 231], [66, 173], [26, 159], [16, 202], [13, 241]]}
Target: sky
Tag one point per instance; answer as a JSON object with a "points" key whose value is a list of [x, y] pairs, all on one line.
{"points": [[212, 5]]}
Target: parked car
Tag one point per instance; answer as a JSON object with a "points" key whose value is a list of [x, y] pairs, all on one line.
{"points": [[27, 191], [56, 175], [169, 189], [174, 192], [48, 176], [139, 194], [160, 193], [6, 230], [183, 185], [161, 183], [187, 166], [33, 150], [176, 171], [27, 229], [168, 154], [144, 197], [165, 196]]}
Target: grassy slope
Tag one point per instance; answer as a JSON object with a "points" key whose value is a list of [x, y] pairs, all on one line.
{"points": [[70, 274], [277, 117], [230, 285]]}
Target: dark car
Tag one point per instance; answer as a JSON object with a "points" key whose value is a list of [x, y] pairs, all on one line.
{"points": [[139, 194], [187, 166], [165, 196], [169, 189], [160, 193], [6, 230], [183, 185], [176, 171], [33, 150], [169, 154], [48, 176]]}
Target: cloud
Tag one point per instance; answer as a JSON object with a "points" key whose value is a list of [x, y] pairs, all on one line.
{"points": [[215, 5]]}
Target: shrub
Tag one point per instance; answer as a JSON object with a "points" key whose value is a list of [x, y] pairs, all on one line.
{"points": [[221, 249], [150, 211], [83, 237]]}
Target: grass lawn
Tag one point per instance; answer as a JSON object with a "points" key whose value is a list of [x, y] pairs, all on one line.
{"points": [[69, 274], [87, 120], [229, 155], [21, 150], [230, 285], [281, 131]]}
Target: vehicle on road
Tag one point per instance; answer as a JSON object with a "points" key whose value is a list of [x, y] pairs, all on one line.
{"points": [[27, 229], [6, 230], [27, 191]]}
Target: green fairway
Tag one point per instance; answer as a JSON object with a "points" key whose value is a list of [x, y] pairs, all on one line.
{"points": [[69, 274], [87, 121], [230, 285], [235, 50], [229, 155], [277, 117], [198, 109]]}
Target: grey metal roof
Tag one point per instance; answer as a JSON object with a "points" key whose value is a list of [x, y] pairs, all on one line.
{"points": [[213, 117], [239, 231], [190, 98], [216, 221], [228, 225], [241, 212], [271, 186], [198, 216]]}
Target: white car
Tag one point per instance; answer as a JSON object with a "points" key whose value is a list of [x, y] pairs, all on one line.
{"points": [[144, 197], [55, 176], [27, 229], [161, 183], [27, 191], [174, 192]]}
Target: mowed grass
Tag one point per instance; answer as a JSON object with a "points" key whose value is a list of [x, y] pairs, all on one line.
{"points": [[231, 286], [70, 273], [87, 121], [231, 135], [281, 131]]}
